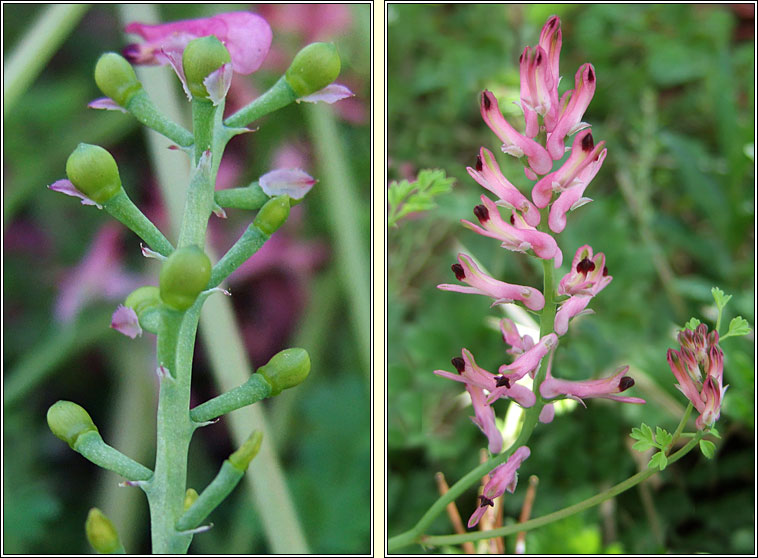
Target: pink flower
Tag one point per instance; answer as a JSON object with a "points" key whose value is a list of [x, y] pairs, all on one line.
{"points": [[550, 41], [125, 321], [484, 418], [487, 173], [512, 337], [584, 153], [245, 35], [503, 477], [539, 90], [65, 186], [480, 283], [587, 277], [571, 198], [527, 362], [518, 239], [605, 388], [514, 143], [699, 370], [575, 102]]}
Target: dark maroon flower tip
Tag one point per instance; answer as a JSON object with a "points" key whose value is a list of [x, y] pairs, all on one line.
{"points": [[513, 219], [625, 383], [459, 363], [458, 270], [133, 53], [585, 266], [588, 144], [520, 58], [501, 381], [479, 166], [551, 23], [482, 213], [605, 271], [538, 60], [485, 501], [486, 100], [590, 75]]}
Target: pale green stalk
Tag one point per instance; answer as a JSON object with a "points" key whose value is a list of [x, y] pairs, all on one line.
{"points": [[36, 47]]}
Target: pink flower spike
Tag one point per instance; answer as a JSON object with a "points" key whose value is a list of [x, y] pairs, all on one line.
{"points": [[125, 321], [513, 143], [584, 152], [65, 186], [571, 116], [245, 35], [503, 477], [571, 198], [605, 388], [487, 173], [330, 94], [293, 182], [106, 103], [480, 283], [530, 360]]}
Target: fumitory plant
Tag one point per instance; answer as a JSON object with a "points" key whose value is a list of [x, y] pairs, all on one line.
{"points": [[204, 53], [560, 156]]}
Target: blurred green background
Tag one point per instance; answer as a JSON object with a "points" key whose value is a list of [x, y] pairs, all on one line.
{"points": [[674, 215], [308, 291]]}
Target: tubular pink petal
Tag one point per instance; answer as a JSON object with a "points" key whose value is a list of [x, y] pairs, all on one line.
{"points": [[484, 418], [503, 477], [572, 307], [578, 102], [530, 360], [605, 388]]}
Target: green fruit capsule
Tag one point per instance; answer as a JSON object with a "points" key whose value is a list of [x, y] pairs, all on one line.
{"points": [[201, 57], [146, 303], [184, 275], [115, 77], [286, 369], [101, 533], [68, 421], [273, 214], [313, 68], [94, 172]]}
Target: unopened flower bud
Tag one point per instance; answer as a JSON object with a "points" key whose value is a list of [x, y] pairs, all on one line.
{"points": [[286, 369], [241, 458], [313, 68], [68, 421], [146, 303], [202, 57], [115, 77], [189, 498], [184, 274], [101, 533], [93, 171], [273, 214]]}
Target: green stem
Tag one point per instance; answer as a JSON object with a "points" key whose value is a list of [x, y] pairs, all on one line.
{"points": [[247, 245], [166, 490], [36, 48], [123, 209], [144, 110], [92, 446], [249, 197], [252, 391], [220, 487], [280, 95]]}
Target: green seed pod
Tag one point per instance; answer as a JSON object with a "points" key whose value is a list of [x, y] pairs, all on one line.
{"points": [[201, 57], [68, 421], [94, 172], [115, 77], [184, 274], [313, 68], [146, 303], [101, 533], [273, 214], [286, 369], [241, 458]]}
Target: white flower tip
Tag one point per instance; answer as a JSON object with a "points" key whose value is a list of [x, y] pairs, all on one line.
{"points": [[65, 186], [106, 103], [217, 83], [148, 253], [295, 183], [125, 321], [218, 211], [329, 94]]}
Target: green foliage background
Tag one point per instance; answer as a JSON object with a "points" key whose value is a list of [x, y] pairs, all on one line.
{"points": [[322, 431], [674, 214]]}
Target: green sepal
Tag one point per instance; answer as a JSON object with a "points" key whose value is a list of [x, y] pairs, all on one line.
{"points": [[115, 77], [273, 214], [146, 303], [201, 57], [313, 68], [94, 172], [286, 369], [241, 458], [102, 534], [184, 274], [68, 421]]}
